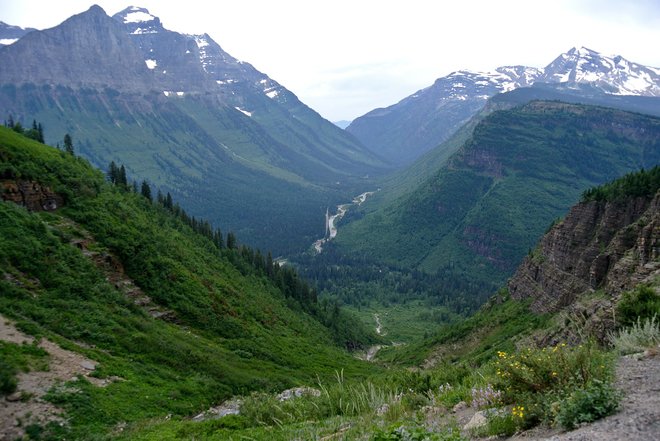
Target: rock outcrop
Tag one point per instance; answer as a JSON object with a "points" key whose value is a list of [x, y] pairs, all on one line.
{"points": [[30, 194], [610, 246]]}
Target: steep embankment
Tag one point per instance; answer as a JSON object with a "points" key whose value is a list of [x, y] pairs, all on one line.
{"points": [[174, 323], [606, 245]]}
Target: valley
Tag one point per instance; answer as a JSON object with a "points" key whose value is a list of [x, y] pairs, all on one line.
{"points": [[163, 274]]}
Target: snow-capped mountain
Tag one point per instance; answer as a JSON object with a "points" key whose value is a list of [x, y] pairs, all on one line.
{"points": [[226, 140], [10, 34], [404, 131], [184, 63], [613, 75]]}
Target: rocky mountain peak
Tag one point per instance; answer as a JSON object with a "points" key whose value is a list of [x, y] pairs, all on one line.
{"points": [[614, 75], [10, 34], [88, 50], [139, 21]]}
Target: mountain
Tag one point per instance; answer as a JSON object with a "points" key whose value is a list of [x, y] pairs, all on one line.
{"points": [[228, 142], [476, 216], [10, 34], [404, 131], [156, 320], [342, 124]]}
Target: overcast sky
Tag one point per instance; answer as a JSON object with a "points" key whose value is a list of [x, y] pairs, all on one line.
{"points": [[346, 57]]}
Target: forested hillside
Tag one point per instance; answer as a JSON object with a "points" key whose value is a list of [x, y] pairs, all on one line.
{"points": [[175, 315], [478, 216]]}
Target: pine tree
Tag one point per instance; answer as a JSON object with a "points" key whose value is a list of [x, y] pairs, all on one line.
{"points": [[231, 241], [68, 144], [40, 131], [146, 190], [121, 178], [168, 201], [113, 172]]}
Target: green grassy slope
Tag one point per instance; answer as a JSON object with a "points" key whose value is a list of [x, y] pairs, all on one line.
{"points": [[490, 203], [227, 328]]}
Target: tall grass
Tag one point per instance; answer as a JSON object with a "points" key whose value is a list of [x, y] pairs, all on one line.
{"points": [[642, 335]]}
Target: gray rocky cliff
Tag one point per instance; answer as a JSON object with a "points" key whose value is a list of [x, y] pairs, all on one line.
{"points": [[611, 246], [104, 56]]}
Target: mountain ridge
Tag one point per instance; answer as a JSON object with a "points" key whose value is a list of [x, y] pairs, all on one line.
{"points": [[404, 131], [231, 144]]}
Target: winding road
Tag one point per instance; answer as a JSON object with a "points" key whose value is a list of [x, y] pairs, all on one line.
{"points": [[341, 211]]}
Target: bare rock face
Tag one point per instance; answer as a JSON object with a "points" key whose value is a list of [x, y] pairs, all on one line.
{"points": [[599, 245], [31, 195]]}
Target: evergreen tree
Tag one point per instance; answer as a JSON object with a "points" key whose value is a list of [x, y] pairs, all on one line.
{"points": [[217, 238], [40, 132], [168, 201], [231, 241], [113, 172], [146, 190], [121, 178], [68, 144]]}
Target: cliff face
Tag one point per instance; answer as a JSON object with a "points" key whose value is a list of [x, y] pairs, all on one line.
{"points": [[611, 246]]}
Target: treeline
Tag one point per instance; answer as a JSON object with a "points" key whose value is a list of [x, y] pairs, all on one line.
{"points": [[358, 280], [36, 132], [295, 289], [636, 184]]}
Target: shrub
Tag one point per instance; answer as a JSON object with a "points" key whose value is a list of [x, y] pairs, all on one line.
{"points": [[539, 381], [414, 432], [7, 378], [597, 400], [642, 302], [640, 336]]}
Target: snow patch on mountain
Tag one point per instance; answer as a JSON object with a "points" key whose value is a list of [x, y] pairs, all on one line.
{"points": [[244, 112], [8, 41], [138, 15], [151, 64]]}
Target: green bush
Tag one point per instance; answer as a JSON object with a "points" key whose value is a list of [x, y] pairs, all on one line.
{"points": [[538, 381], [414, 432], [7, 378], [597, 400], [642, 302]]}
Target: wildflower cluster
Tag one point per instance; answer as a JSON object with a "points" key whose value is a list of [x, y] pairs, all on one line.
{"points": [[554, 368], [542, 382], [485, 397], [518, 412]]}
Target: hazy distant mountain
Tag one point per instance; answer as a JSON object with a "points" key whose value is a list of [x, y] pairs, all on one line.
{"points": [[10, 34], [230, 144], [342, 124], [404, 131]]}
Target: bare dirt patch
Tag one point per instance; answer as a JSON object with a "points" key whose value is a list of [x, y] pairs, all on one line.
{"points": [[27, 406]]}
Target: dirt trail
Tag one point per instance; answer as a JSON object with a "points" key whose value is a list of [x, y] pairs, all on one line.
{"points": [[26, 406]]}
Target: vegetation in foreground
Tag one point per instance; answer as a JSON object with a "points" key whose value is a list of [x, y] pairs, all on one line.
{"points": [[175, 322]]}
